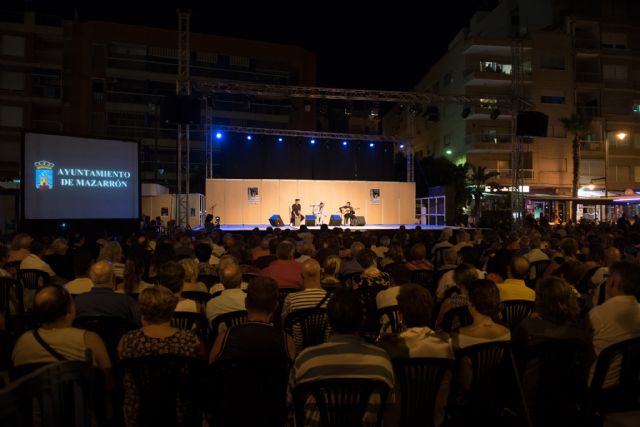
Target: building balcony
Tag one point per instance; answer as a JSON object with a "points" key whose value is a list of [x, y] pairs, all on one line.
{"points": [[507, 173], [589, 110], [493, 143], [587, 77]]}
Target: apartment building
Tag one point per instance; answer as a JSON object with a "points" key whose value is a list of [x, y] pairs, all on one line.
{"points": [[574, 56], [105, 79]]}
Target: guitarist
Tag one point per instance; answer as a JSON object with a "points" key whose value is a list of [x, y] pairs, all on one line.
{"points": [[348, 212], [296, 214]]}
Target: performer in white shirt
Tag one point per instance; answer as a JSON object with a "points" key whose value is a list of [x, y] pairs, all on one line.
{"points": [[318, 211]]}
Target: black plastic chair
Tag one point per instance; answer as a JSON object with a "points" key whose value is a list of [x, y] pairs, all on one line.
{"points": [[33, 279], [208, 279], [228, 319], [424, 278], [17, 372], [232, 402], [367, 295], [554, 377], [493, 374], [536, 270], [388, 319], [624, 396], [340, 402], [347, 279], [514, 311], [109, 328], [438, 255], [419, 381], [247, 277], [9, 286], [456, 318], [12, 268], [168, 389], [200, 297], [282, 295], [191, 322], [60, 393], [307, 326]]}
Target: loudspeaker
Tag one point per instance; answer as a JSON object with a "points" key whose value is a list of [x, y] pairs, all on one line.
{"points": [[358, 221], [180, 109], [310, 220], [276, 221], [335, 220], [532, 123]]}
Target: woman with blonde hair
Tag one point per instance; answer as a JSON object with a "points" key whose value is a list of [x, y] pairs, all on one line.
{"points": [[330, 269], [191, 269]]}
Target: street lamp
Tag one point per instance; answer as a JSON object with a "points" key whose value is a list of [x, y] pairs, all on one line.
{"points": [[620, 135]]}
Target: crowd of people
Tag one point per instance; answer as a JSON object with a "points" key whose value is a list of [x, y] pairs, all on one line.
{"points": [[582, 283]]}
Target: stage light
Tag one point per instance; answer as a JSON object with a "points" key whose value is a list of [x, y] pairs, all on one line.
{"points": [[401, 146], [344, 143], [449, 152], [249, 137], [371, 144], [621, 136], [313, 141], [217, 223], [218, 135], [280, 140]]}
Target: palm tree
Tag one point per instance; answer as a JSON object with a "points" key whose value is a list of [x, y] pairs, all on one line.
{"points": [[579, 124], [478, 179]]}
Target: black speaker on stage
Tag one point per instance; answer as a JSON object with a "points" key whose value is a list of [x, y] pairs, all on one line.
{"points": [[310, 220], [532, 123], [335, 220], [358, 221], [180, 109], [276, 221]]}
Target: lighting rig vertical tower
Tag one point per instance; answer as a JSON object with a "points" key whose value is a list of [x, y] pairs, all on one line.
{"points": [[183, 87], [517, 147]]}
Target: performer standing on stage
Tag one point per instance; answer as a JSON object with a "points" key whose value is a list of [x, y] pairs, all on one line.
{"points": [[319, 213], [296, 215], [348, 212]]}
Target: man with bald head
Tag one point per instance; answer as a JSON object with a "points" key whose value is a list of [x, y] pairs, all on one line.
{"points": [[514, 288], [232, 297], [312, 293], [55, 310], [102, 300]]}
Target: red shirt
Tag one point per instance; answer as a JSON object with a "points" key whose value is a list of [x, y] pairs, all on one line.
{"points": [[287, 273]]}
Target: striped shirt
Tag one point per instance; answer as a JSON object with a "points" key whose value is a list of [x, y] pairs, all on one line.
{"points": [[309, 298], [343, 356]]}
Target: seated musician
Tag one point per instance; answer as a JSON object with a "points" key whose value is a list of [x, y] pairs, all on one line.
{"points": [[348, 212], [296, 213], [319, 213]]}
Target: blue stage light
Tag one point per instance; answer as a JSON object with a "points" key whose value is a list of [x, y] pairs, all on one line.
{"points": [[344, 143], [313, 141], [280, 139], [401, 146], [371, 144], [218, 135], [249, 137]]}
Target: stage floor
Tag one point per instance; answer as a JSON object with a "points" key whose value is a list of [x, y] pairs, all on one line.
{"points": [[249, 227]]}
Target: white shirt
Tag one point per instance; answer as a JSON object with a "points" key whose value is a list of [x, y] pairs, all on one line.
{"points": [[535, 255], [446, 282], [229, 300], [615, 320], [34, 262]]}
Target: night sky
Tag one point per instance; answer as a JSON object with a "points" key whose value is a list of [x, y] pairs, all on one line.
{"points": [[370, 45]]}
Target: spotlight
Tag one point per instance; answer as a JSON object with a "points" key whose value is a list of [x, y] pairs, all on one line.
{"points": [[621, 136], [494, 114], [401, 146], [249, 137], [465, 112], [313, 141], [217, 223], [218, 135], [449, 152], [371, 144], [344, 143], [280, 139]]}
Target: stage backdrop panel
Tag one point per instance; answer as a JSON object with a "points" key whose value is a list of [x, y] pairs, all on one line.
{"points": [[396, 204]]}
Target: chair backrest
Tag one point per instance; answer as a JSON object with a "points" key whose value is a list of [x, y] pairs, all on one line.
{"points": [[60, 393], [388, 319], [229, 319], [536, 270], [232, 399], [17, 372], [208, 279], [307, 326], [456, 318], [109, 328], [197, 296], [420, 379], [490, 363], [367, 296], [167, 388], [33, 279], [625, 395], [282, 295], [341, 402], [424, 278], [514, 311], [347, 279], [438, 255], [6, 286], [190, 322]]}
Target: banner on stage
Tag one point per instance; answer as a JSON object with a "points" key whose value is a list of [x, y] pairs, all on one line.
{"points": [[374, 196], [253, 195]]}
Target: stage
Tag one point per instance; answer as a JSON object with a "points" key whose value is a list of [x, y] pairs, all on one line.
{"points": [[368, 227]]}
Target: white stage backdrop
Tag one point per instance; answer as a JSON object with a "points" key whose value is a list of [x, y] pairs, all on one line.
{"points": [[253, 201]]}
